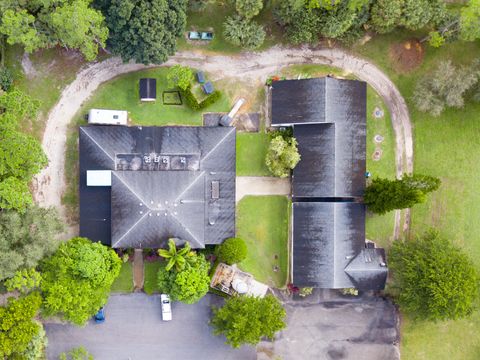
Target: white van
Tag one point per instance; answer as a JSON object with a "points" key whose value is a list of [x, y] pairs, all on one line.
{"points": [[107, 117]]}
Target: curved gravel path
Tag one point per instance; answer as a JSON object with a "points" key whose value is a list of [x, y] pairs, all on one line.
{"points": [[49, 185]]}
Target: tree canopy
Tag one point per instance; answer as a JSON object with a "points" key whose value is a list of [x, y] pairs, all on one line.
{"points": [[248, 8], [282, 156], [384, 195], [26, 238], [181, 76], [246, 319], [37, 24], [242, 32], [188, 284], [447, 86], [435, 279], [470, 20], [145, 30], [77, 279], [17, 327]]}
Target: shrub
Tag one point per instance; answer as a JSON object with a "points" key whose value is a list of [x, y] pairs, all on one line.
{"points": [[192, 102], [24, 280], [6, 78], [248, 8], [282, 156], [78, 353], [245, 33], [179, 76], [232, 251]]}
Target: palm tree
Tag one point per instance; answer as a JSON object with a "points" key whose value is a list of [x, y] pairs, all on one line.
{"points": [[175, 257]]}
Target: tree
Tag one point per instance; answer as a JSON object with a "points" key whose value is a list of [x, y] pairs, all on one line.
{"points": [[245, 33], [417, 14], [246, 319], [181, 76], [282, 156], [26, 238], [435, 279], [40, 24], [36, 348], [145, 30], [470, 20], [77, 279], [445, 87], [248, 8], [177, 258], [14, 194], [24, 280], [384, 195], [78, 353], [189, 284], [17, 327], [232, 251], [386, 14]]}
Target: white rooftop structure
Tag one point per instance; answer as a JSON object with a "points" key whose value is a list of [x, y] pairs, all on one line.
{"points": [[99, 178]]}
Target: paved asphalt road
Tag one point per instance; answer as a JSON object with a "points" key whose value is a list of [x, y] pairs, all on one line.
{"points": [[134, 330]]}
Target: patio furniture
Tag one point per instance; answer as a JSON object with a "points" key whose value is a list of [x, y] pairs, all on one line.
{"points": [[208, 88], [194, 35]]}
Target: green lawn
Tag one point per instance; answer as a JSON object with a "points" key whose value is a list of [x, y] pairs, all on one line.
{"points": [[122, 93], [124, 282], [262, 221], [150, 281], [446, 147], [251, 152]]}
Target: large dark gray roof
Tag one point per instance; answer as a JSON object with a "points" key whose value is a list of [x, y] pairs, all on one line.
{"points": [[333, 151], [169, 170], [326, 237]]}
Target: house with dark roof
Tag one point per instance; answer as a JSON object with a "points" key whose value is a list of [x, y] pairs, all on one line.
{"points": [[329, 249], [140, 186]]}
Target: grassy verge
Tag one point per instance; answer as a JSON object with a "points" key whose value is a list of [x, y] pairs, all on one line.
{"points": [[446, 147], [262, 221], [251, 152], [150, 280], [124, 282]]}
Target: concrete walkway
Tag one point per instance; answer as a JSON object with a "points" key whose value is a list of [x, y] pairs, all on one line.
{"points": [[138, 270], [49, 185], [260, 185]]}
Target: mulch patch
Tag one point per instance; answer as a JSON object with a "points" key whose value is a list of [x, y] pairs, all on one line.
{"points": [[407, 55]]}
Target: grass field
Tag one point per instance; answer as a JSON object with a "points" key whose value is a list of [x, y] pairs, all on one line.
{"points": [[262, 221], [150, 281], [447, 147], [251, 152], [124, 282]]}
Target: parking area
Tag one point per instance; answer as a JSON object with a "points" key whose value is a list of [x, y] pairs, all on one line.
{"points": [[363, 329], [134, 330]]}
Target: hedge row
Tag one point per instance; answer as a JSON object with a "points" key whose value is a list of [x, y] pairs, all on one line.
{"points": [[192, 102]]}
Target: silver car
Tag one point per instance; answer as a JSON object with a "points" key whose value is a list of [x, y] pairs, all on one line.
{"points": [[166, 307]]}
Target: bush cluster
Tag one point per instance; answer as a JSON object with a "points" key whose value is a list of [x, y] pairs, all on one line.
{"points": [[232, 251], [192, 102]]}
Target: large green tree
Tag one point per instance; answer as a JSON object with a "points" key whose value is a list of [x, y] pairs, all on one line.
{"points": [[446, 86], [282, 156], [145, 30], [435, 279], [188, 284], [384, 195], [246, 319], [77, 279], [470, 21], [37, 24], [386, 14], [17, 327], [181, 76], [26, 238]]}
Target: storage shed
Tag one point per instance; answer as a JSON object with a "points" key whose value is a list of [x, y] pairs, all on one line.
{"points": [[107, 117], [148, 89]]}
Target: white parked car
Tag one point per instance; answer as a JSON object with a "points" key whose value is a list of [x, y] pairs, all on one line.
{"points": [[166, 307]]}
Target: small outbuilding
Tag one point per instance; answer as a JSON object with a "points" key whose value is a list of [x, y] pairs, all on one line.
{"points": [[148, 89]]}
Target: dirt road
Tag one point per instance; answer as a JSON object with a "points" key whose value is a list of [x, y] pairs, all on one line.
{"points": [[50, 183]]}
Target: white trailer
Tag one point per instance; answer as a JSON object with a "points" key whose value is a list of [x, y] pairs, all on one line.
{"points": [[107, 117]]}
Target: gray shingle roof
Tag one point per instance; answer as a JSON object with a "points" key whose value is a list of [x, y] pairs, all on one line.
{"points": [[193, 157]]}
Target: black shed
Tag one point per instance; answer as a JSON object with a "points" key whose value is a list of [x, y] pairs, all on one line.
{"points": [[148, 89]]}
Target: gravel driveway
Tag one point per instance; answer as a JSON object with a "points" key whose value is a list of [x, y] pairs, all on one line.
{"points": [[134, 330]]}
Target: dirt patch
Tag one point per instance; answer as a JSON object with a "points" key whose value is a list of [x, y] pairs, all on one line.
{"points": [[407, 56]]}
